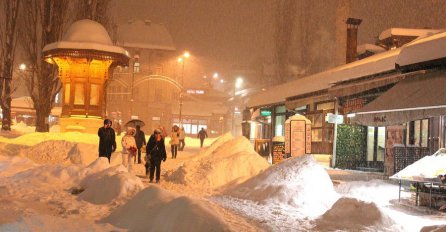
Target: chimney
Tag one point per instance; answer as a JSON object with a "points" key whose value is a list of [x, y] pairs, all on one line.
{"points": [[352, 39], [147, 22]]}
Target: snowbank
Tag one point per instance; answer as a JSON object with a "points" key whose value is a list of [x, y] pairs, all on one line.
{"points": [[225, 161], [11, 165], [297, 182], [349, 214], [155, 209], [108, 188], [427, 167]]}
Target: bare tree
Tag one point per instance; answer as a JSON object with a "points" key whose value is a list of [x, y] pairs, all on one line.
{"points": [[43, 23], [96, 10], [8, 39]]}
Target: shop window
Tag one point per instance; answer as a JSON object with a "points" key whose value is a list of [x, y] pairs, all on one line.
{"points": [[316, 135], [280, 109], [187, 128], [376, 143], [279, 125], [194, 129], [325, 106], [79, 95], [66, 96], [94, 95], [417, 133]]}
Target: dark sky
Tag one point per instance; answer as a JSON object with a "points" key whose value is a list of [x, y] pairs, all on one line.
{"points": [[242, 31]]}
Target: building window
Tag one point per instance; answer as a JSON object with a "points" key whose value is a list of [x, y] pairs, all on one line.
{"points": [[325, 106], [376, 143], [94, 95], [136, 67], [279, 127], [66, 97], [417, 133], [79, 94]]}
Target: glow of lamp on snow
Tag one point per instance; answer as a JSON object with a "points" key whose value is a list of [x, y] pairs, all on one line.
{"points": [[215, 76], [351, 115], [22, 67]]}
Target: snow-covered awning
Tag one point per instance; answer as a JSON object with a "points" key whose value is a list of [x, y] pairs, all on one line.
{"points": [[406, 32], [423, 52], [379, 63], [424, 97]]}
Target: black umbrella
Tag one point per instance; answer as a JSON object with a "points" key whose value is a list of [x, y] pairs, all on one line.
{"points": [[134, 122]]}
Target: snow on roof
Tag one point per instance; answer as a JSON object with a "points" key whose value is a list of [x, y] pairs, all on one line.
{"points": [[86, 35], [378, 63], [406, 32], [423, 49], [145, 34], [370, 47]]}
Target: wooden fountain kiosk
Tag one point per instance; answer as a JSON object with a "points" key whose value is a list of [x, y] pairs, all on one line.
{"points": [[85, 58]]}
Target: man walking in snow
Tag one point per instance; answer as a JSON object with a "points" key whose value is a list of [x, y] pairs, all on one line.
{"points": [[140, 139], [202, 135], [107, 141], [156, 152]]}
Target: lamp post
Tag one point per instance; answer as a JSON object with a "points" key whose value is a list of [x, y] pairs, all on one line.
{"points": [[135, 70], [238, 85], [182, 60]]}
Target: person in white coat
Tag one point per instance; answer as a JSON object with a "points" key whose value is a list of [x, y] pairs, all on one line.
{"points": [[128, 149]]}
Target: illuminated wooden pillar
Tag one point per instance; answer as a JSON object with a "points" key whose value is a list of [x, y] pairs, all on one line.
{"points": [[84, 63]]}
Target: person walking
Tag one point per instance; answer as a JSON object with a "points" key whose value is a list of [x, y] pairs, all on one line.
{"points": [[202, 134], [156, 152], [128, 149], [181, 137], [174, 141], [140, 139], [107, 141]]}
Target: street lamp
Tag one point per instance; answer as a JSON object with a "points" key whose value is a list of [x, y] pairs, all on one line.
{"points": [[182, 60], [238, 84]]}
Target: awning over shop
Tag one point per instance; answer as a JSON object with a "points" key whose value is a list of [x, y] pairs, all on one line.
{"points": [[340, 90], [411, 99], [295, 103]]}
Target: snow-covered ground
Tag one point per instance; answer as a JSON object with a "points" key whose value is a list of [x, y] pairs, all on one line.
{"points": [[55, 182]]}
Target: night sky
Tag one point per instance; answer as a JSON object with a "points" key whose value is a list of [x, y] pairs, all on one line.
{"points": [[239, 32]]}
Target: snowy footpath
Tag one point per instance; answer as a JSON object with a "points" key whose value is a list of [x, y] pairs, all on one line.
{"points": [[55, 182]]}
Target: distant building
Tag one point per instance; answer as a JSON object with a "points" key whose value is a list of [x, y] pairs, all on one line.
{"points": [[149, 88]]}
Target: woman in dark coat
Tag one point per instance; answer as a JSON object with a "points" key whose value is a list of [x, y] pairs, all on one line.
{"points": [[156, 151], [107, 141]]}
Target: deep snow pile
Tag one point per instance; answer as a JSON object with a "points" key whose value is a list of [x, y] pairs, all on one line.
{"points": [[427, 167], [61, 152], [226, 161], [350, 214], [297, 182], [155, 209], [109, 184]]}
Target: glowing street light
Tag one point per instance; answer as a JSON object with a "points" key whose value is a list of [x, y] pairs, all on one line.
{"points": [[222, 81], [22, 67], [238, 82], [215, 76], [186, 54]]}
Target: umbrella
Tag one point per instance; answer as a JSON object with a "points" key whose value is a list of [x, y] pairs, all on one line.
{"points": [[134, 122]]}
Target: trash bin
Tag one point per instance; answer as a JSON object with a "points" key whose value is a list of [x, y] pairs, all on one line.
{"points": [[278, 151]]}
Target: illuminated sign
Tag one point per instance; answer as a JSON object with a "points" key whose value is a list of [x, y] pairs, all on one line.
{"points": [[195, 91], [265, 112]]}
